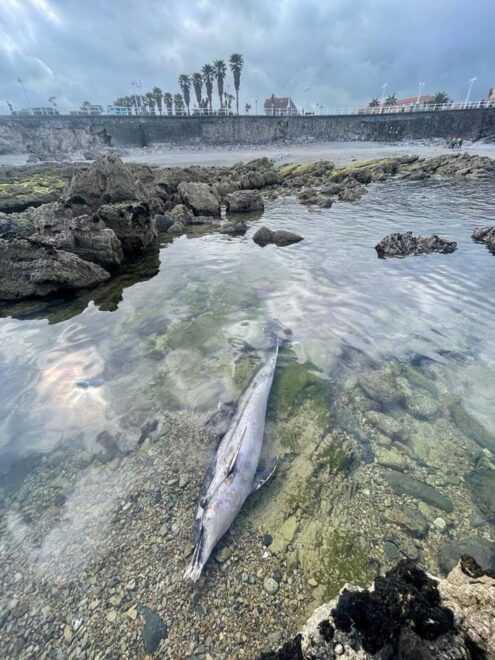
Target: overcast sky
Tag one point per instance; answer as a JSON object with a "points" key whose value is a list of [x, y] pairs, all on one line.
{"points": [[335, 52]]}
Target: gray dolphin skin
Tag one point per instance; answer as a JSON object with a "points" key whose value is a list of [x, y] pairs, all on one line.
{"points": [[236, 474]]}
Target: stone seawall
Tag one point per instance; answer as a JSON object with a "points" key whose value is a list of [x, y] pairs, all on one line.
{"points": [[49, 134]]}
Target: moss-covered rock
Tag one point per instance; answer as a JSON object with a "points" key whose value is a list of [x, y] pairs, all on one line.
{"points": [[31, 189]]}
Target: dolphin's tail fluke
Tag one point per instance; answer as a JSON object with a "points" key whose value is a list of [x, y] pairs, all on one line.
{"points": [[193, 571]]}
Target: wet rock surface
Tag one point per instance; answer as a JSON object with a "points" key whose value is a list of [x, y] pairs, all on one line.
{"points": [[200, 197], [407, 614], [265, 236], [404, 245], [485, 235], [28, 268], [243, 201]]}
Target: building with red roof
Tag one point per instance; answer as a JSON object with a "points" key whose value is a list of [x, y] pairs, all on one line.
{"points": [[279, 105]]}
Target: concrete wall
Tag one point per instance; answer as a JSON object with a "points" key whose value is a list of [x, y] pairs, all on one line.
{"points": [[143, 131]]}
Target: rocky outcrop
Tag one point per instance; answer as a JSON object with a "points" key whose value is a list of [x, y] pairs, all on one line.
{"points": [[351, 193], [265, 236], [132, 224], [85, 236], [201, 198], [403, 245], [28, 268], [107, 180], [407, 614], [243, 201], [485, 235]]}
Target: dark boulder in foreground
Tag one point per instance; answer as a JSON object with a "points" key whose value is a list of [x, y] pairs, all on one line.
{"points": [[28, 268], [485, 235], [243, 201], [265, 236], [404, 245], [407, 614], [132, 224]]}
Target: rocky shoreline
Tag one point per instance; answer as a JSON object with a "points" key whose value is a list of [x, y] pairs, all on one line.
{"points": [[81, 223]]}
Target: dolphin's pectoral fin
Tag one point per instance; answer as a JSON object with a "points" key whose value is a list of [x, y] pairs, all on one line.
{"points": [[264, 474]]}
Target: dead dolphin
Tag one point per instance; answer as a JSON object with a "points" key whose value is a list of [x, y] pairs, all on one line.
{"points": [[235, 473]]}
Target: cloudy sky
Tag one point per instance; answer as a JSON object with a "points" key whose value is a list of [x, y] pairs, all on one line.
{"points": [[334, 52]]}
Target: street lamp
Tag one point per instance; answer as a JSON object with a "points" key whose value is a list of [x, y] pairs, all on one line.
{"points": [[420, 89], [25, 94], [470, 81], [384, 87]]}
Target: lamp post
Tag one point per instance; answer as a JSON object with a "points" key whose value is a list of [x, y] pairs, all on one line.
{"points": [[384, 87], [470, 81], [420, 89], [25, 94]]}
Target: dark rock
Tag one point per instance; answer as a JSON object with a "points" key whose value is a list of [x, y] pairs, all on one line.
{"points": [[131, 222], [264, 236], [481, 482], [202, 220], [154, 630], [243, 201], [163, 222], [403, 245], [85, 236], [324, 202], [30, 269], [308, 196], [485, 235], [15, 224], [332, 189], [107, 180], [362, 175], [451, 550], [405, 485], [291, 650], [267, 540], [352, 193], [405, 598], [200, 197]]}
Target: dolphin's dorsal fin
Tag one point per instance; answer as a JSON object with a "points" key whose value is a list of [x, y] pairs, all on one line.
{"points": [[237, 449]]}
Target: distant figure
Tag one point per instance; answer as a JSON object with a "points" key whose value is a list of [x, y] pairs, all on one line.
{"points": [[459, 142], [452, 143]]}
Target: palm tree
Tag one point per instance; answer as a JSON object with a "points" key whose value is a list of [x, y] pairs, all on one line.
{"points": [[179, 104], [220, 72], [247, 108], [52, 100], [158, 94], [391, 100], [149, 100], [185, 85], [208, 72], [228, 100], [374, 102], [168, 99], [197, 83], [236, 63], [439, 99]]}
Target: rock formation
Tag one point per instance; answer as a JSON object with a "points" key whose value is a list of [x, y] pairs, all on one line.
{"points": [[403, 245], [265, 236], [485, 235]]}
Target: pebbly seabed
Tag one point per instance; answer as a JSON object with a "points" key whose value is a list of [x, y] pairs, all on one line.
{"points": [[381, 410]]}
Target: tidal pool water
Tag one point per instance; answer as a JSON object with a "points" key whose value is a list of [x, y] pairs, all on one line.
{"points": [[381, 414]]}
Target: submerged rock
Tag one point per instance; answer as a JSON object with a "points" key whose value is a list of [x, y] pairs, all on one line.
{"points": [[28, 269], [154, 630], [405, 485], [352, 193], [163, 222], [264, 236], [485, 235], [243, 201], [202, 198], [403, 245]]}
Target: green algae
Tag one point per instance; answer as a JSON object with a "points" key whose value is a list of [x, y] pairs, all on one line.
{"points": [[31, 190]]}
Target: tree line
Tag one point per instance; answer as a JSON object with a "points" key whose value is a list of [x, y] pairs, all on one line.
{"points": [[180, 103], [438, 99]]}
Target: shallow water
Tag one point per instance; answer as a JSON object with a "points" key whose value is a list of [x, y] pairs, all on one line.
{"points": [[389, 362]]}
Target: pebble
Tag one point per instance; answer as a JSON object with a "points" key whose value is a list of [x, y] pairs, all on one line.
{"points": [[267, 540], [339, 649], [440, 524], [312, 582], [270, 585], [223, 554], [132, 612], [68, 634], [111, 616]]}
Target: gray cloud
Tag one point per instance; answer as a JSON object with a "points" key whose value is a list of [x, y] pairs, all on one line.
{"points": [[343, 50]]}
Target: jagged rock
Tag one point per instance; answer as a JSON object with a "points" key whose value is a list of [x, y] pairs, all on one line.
{"points": [[243, 201], [15, 224], [107, 180], [485, 235], [200, 197], [352, 193], [85, 236], [403, 245], [264, 236], [407, 614], [332, 189], [30, 269], [324, 202], [182, 214], [308, 196], [131, 222]]}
